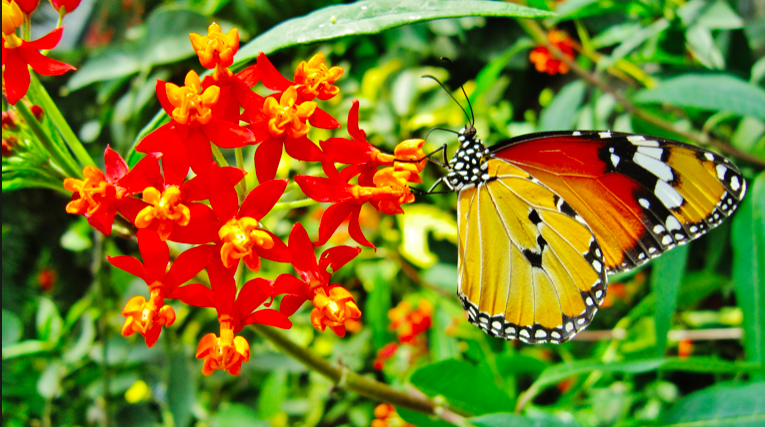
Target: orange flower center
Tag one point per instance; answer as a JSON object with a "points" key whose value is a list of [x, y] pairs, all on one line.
{"points": [[240, 236], [333, 308], [285, 116], [93, 190], [391, 190], [166, 208], [217, 49], [143, 315], [226, 352], [13, 17], [317, 78], [192, 106]]}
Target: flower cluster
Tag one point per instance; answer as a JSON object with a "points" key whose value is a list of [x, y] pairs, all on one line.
{"points": [[545, 62], [410, 325], [178, 193], [20, 54], [386, 416]]}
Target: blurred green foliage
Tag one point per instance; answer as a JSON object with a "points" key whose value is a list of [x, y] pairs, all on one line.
{"points": [[697, 64]]}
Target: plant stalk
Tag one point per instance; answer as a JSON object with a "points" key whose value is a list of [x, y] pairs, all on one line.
{"points": [[101, 276], [64, 160]]}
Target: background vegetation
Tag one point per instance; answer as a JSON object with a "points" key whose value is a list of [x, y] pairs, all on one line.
{"points": [[681, 342]]}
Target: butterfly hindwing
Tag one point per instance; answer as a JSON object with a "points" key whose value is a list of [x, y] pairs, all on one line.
{"points": [[640, 195], [529, 267]]}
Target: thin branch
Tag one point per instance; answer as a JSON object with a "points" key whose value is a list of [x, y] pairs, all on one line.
{"points": [[676, 335], [536, 31]]}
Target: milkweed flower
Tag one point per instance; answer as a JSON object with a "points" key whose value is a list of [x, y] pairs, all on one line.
{"points": [[228, 351], [65, 6], [27, 6], [545, 62], [333, 305], [390, 191], [148, 317], [99, 196], [197, 120], [409, 322], [19, 54], [281, 121], [233, 228], [314, 79], [217, 49], [386, 416]]}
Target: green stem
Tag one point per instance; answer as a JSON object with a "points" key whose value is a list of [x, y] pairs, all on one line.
{"points": [[293, 205], [101, 277], [344, 378], [39, 94], [242, 186], [64, 160]]}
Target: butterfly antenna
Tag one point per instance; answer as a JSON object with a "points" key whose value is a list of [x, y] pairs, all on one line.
{"points": [[444, 129], [428, 76], [472, 121]]}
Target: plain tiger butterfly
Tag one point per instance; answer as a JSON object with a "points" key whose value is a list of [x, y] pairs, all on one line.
{"points": [[544, 218]]}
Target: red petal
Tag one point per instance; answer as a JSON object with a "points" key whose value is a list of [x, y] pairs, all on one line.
{"points": [[323, 189], [250, 75], [346, 151], [270, 77], [48, 41], [194, 294], [337, 257], [278, 252], [223, 285], [115, 165], [289, 284], [144, 174], [129, 264], [322, 119], [332, 218], [234, 174], [353, 125], [42, 64], [199, 151], [267, 158], [269, 317], [129, 207], [175, 160], [262, 199], [187, 265], [222, 193], [301, 249], [303, 149], [103, 220], [162, 97], [254, 293], [152, 335], [354, 229], [16, 75], [155, 141], [195, 189], [290, 304], [155, 255], [227, 135], [203, 227]]}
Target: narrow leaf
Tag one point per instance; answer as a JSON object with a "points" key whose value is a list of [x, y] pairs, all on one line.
{"points": [[561, 112], [729, 405], [666, 277]]}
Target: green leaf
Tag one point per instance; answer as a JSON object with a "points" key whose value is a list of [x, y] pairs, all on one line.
{"points": [[632, 43], [721, 93], [49, 321], [748, 239], [236, 414], [421, 420], [376, 278], [181, 388], [372, 17], [515, 420], [464, 386], [272, 394], [724, 405], [49, 384], [12, 328], [561, 111], [25, 348], [84, 343], [557, 373], [570, 9], [666, 276]]}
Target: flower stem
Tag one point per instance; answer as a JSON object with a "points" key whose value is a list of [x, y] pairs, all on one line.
{"points": [[101, 277], [61, 158], [294, 204], [351, 381], [242, 186]]}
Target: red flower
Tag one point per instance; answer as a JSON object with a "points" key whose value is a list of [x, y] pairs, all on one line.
{"points": [[65, 6], [281, 120], [236, 229], [543, 60], [409, 323], [148, 317], [28, 6], [313, 274], [197, 120], [383, 354], [227, 352], [19, 54], [100, 196], [390, 192]]}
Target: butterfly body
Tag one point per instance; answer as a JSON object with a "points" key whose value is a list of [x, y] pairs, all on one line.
{"points": [[545, 217]]}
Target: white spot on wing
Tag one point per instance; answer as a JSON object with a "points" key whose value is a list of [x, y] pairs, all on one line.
{"points": [[673, 223], [615, 160], [658, 168], [668, 195], [540, 334], [666, 240], [598, 266], [606, 134], [721, 169], [651, 152], [635, 138], [645, 203], [659, 229], [709, 156], [576, 133], [734, 183]]}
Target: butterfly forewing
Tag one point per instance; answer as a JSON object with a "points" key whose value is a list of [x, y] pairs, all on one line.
{"points": [[640, 195], [528, 267]]}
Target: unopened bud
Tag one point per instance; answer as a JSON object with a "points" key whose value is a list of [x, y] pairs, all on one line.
{"points": [[38, 112]]}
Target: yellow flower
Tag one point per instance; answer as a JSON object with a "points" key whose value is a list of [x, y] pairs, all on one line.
{"points": [[192, 106]]}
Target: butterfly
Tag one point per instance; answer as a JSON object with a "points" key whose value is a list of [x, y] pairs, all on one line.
{"points": [[544, 218]]}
